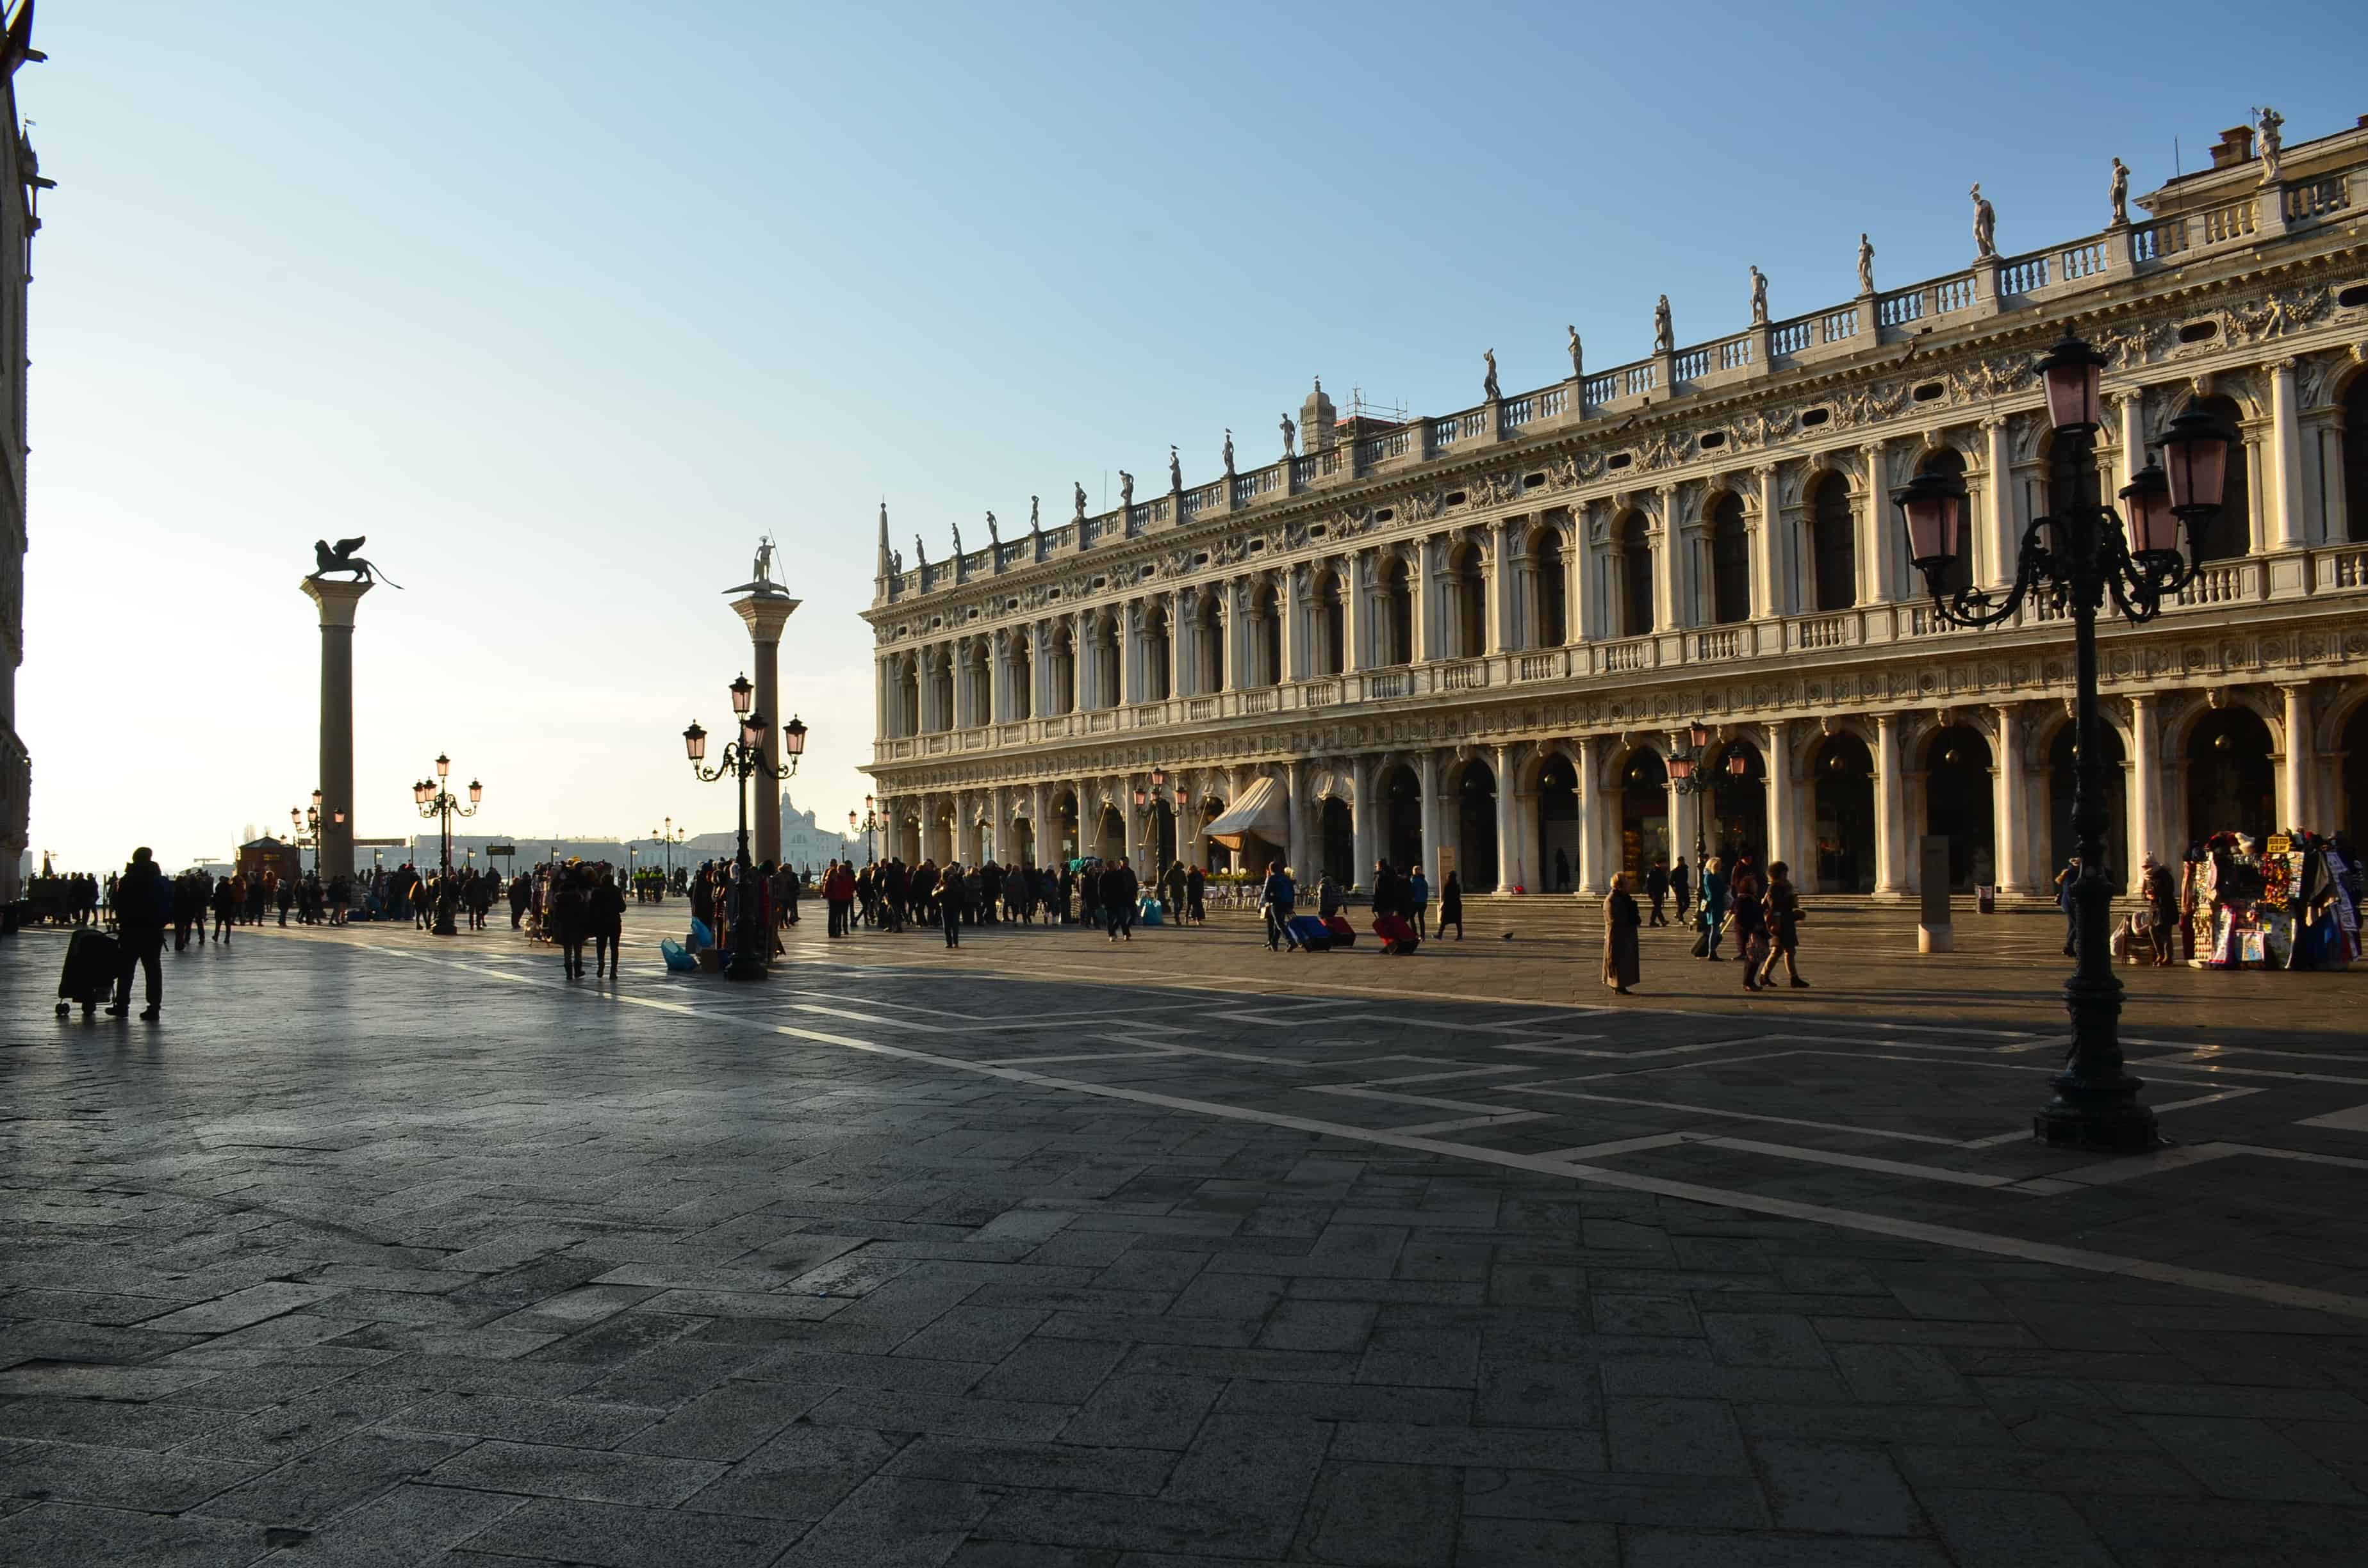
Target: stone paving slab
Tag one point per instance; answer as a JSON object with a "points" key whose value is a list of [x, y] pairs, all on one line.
{"points": [[388, 1250]]}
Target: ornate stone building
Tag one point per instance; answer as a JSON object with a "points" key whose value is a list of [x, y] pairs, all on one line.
{"points": [[1475, 640], [20, 183]]}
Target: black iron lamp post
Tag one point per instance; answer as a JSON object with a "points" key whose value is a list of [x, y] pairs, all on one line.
{"points": [[868, 824], [2076, 556], [1147, 802], [435, 801], [1690, 775], [742, 760]]}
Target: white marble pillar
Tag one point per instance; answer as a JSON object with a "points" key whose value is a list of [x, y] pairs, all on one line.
{"points": [[1766, 548], [1354, 612], [2300, 756], [1508, 825], [1296, 815], [1891, 859], [2286, 529], [2146, 777], [2012, 828], [2133, 422], [1426, 772], [1591, 798], [1879, 545], [1502, 601], [1362, 816], [1784, 809], [1586, 606], [336, 602], [1997, 505]]}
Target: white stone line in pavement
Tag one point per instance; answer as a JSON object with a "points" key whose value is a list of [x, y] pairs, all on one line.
{"points": [[2129, 1166], [2022, 1134], [1466, 1123], [1625, 1145], [1350, 1091], [2185, 1064], [1748, 1202], [2353, 1119], [1862, 1163], [1735, 1114], [1438, 1077]]}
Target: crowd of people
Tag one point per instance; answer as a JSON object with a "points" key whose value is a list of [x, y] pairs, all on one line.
{"points": [[1731, 898], [1110, 895]]}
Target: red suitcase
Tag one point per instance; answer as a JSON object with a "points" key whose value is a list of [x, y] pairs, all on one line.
{"points": [[1343, 933], [1396, 934]]}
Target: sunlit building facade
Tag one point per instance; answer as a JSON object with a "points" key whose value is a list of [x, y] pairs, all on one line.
{"points": [[1477, 641]]}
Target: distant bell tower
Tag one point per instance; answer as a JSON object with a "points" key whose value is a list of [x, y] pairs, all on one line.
{"points": [[1316, 416]]}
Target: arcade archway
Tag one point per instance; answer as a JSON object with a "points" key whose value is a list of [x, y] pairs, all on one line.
{"points": [[1842, 796]]}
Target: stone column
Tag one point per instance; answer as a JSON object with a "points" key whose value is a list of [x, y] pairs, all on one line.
{"points": [[1998, 498], [1668, 553], [1352, 612], [2285, 523], [1508, 823], [1499, 600], [2133, 413], [1296, 820], [336, 601], [1879, 544], [2012, 828], [1890, 867], [1766, 549], [1362, 814], [1781, 807], [1587, 612], [1426, 772], [1591, 878], [2294, 779], [2146, 794]]}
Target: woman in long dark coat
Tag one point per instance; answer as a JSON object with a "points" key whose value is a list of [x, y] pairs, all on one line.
{"points": [[571, 919], [607, 920], [1620, 962]]}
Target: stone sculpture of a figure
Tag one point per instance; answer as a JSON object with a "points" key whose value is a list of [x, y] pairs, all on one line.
{"points": [[343, 559], [2120, 194], [1664, 334], [920, 555], [958, 549], [1985, 224], [993, 540], [1759, 298], [1035, 517], [1126, 492], [1577, 358], [1866, 265], [2274, 143], [763, 573], [1488, 388], [1229, 451], [1290, 436], [1175, 470], [1081, 499]]}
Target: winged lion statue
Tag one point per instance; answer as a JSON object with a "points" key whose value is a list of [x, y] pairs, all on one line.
{"points": [[343, 559]]}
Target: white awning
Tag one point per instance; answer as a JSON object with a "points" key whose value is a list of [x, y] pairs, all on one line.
{"points": [[1259, 812]]}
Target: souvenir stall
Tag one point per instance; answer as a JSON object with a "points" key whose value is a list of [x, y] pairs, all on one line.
{"points": [[2279, 905]]}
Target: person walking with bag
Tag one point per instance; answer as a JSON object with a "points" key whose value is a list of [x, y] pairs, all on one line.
{"points": [[1784, 920], [143, 902], [1450, 905], [1747, 917], [1279, 899], [1621, 965]]}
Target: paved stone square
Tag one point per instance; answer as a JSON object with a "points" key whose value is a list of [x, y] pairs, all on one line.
{"points": [[385, 1249]]}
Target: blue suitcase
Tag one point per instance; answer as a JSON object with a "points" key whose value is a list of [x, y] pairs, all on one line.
{"points": [[1309, 933]]}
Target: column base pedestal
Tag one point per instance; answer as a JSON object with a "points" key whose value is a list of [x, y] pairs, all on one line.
{"points": [[2121, 1130], [1936, 938]]}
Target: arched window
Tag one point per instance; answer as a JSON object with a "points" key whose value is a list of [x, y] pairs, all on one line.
{"points": [[1269, 625], [1158, 666], [1635, 556], [1730, 561], [2353, 524], [2230, 535], [1552, 625], [1331, 626], [1471, 591], [1209, 633], [1833, 543], [1397, 613]]}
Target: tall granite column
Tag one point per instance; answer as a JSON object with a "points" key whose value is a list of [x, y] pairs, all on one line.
{"points": [[336, 601], [767, 610]]}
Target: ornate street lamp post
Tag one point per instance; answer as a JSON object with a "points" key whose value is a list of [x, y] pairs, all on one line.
{"points": [[868, 824], [435, 801], [1690, 776], [742, 759], [1146, 805], [2076, 556]]}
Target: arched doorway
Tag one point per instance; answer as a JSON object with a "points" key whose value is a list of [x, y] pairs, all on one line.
{"points": [[2229, 787], [1558, 824], [1730, 561], [1635, 579], [1843, 798], [1161, 850], [1216, 856], [1401, 844], [1339, 841], [1960, 804], [2353, 821], [1019, 843], [1833, 543], [1476, 828], [1739, 805], [2063, 752], [2228, 535], [1063, 827], [1110, 832], [1644, 814]]}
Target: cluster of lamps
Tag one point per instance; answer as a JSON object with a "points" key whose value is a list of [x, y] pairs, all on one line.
{"points": [[305, 823], [435, 801], [742, 760]]}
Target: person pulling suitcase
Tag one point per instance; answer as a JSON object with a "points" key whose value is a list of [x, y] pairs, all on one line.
{"points": [[143, 902]]}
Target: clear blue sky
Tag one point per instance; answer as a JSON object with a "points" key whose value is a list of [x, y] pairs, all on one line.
{"points": [[563, 305]]}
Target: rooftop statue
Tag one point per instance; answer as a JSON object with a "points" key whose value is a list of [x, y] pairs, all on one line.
{"points": [[2120, 194], [1229, 451], [343, 559], [1174, 470], [1985, 224], [2274, 143], [1664, 335], [1035, 517], [1577, 358], [764, 568], [1126, 492], [1081, 499], [958, 549], [1488, 390], [993, 540], [1759, 298], [1290, 436], [1866, 265]]}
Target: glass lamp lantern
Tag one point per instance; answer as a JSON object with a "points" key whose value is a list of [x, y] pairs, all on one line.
{"points": [[1932, 509], [694, 742], [793, 741], [2195, 463], [476, 792], [2145, 508], [1681, 768], [742, 695], [2073, 374]]}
